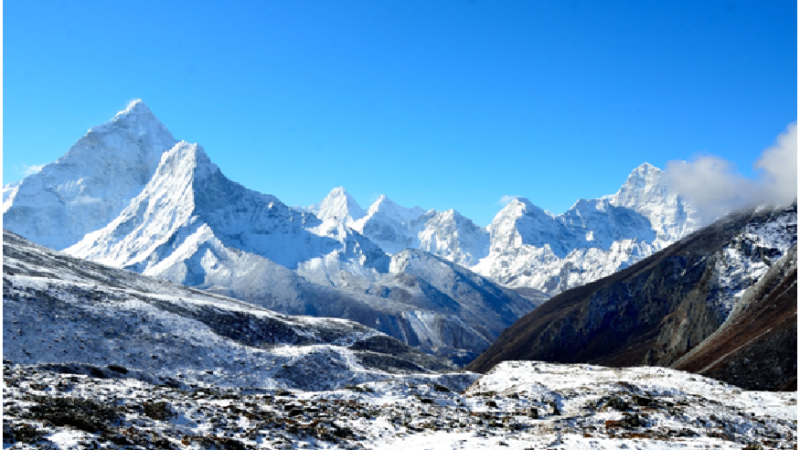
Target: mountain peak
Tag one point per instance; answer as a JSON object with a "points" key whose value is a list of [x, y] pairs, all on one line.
{"points": [[136, 117], [339, 205], [640, 181], [186, 156], [338, 191], [388, 207], [646, 167], [135, 107], [520, 204]]}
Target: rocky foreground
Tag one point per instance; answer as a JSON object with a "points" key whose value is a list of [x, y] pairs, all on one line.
{"points": [[518, 405]]}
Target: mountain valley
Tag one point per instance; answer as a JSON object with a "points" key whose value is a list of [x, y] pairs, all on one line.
{"points": [[149, 301]]}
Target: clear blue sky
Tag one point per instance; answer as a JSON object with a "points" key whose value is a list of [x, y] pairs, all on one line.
{"points": [[444, 104]]}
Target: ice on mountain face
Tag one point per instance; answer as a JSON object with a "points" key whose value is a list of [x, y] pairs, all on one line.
{"points": [[90, 185], [595, 238], [647, 193], [338, 205], [9, 192], [189, 204], [453, 237], [388, 224]]}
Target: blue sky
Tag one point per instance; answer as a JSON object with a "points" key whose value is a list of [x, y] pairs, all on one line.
{"points": [[449, 104]]}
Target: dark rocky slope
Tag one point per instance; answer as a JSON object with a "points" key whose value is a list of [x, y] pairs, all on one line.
{"points": [[656, 311], [756, 347]]}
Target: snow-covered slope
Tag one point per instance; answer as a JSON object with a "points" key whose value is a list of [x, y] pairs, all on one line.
{"points": [[518, 406], [446, 234], [189, 207], [452, 236], [191, 225], [58, 309], [88, 187], [389, 225], [337, 205], [527, 247], [530, 247]]}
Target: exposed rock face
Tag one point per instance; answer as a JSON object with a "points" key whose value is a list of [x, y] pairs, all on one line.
{"points": [[756, 348], [656, 311]]}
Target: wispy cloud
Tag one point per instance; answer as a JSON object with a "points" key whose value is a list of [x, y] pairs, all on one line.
{"points": [[29, 170], [712, 185], [504, 200]]}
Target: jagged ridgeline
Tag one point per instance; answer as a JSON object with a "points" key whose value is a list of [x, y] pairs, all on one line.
{"points": [[87, 318], [721, 302], [130, 195]]}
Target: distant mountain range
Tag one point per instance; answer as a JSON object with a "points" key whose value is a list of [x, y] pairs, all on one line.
{"points": [[721, 302], [128, 194], [528, 247]]}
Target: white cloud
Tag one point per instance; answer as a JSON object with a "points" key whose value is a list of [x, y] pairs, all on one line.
{"points": [[30, 170], [504, 200], [711, 184], [779, 166]]}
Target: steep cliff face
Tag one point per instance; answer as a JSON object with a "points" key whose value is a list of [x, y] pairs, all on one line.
{"points": [[656, 311], [530, 247], [92, 183], [756, 348]]}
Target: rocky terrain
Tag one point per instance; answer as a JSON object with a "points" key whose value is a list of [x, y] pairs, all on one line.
{"points": [[658, 310], [58, 309], [756, 346], [518, 405]]}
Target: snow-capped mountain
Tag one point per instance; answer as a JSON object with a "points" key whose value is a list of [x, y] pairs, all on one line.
{"points": [[452, 236], [527, 247], [337, 205], [191, 225], [189, 207], [389, 225], [446, 234], [88, 187], [646, 192], [530, 247], [656, 311]]}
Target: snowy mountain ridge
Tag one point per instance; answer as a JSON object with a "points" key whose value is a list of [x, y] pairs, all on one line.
{"points": [[525, 246], [191, 225], [90, 185], [171, 213]]}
